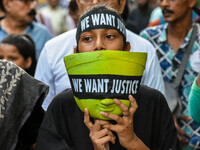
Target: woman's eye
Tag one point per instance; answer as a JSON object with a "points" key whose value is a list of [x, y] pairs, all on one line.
{"points": [[12, 58], [87, 39], [110, 36]]}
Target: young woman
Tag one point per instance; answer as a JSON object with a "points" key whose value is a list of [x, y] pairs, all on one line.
{"points": [[19, 49]]}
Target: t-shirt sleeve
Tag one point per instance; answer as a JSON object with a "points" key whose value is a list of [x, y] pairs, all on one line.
{"points": [[49, 137]]}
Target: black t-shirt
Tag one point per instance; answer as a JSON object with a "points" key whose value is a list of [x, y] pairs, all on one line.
{"points": [[63, 127]]}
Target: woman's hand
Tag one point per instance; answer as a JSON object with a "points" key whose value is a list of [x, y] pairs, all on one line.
{"points": [[100, 136], [124, 127]]}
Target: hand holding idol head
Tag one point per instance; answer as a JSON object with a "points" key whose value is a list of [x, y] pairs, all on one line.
{"points": [[103, 68]]}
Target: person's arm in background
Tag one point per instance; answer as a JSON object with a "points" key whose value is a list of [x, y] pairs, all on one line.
{"points": [[194, 100], [44, 73]]}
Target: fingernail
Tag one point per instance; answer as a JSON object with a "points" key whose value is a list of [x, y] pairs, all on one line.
{"points": [[116, 100], [131, 96], [102, 113], [113, 140]]}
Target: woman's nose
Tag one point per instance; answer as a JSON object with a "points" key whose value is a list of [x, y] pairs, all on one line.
{"points": [[99, 45], [107, 101]]}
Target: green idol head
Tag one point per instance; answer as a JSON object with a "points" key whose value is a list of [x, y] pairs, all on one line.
{"points": [[99, 77]]}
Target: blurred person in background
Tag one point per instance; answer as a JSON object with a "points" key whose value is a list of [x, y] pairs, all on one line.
{"points": [[64, 3], [73, 15], [156, 17], [45, 20], [41, 3], [19, 49], [19, 19], [172, 40], [56, 14], [138, 18]]}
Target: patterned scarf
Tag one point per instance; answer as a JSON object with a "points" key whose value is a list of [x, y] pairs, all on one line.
{"points": [[19, 93]]}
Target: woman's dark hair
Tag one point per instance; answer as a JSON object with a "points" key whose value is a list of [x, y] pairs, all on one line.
{"points": [[74, 11], [25, 46], [1, 6], [125, 12]]}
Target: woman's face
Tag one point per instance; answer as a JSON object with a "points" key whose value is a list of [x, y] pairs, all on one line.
{"points": [[11, 53], [101, 39], [95, 40]]}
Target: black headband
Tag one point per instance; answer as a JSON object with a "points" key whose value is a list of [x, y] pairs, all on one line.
{"points": [[100, 18]]}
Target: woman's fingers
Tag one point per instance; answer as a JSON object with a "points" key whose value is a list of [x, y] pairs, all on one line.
{"points": [[111, 116], [87, 121], [101, 135], [107, 139], [134, 105], [122, 106], [127, 112]]}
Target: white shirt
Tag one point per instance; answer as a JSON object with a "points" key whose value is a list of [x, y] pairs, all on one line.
{"points": [[51, 68], [57, 17]]}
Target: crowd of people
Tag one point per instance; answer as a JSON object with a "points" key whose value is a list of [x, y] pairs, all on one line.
{"points": [[38, 109]]}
